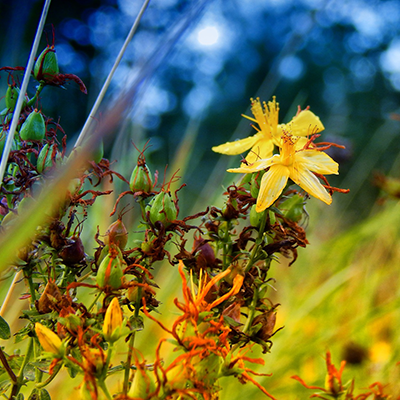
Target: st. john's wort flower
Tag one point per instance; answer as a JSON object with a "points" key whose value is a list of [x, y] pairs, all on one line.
{"points": [[298, 165], [269, 132]]}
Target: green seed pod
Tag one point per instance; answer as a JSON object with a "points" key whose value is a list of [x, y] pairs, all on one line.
{"points": [[142, 385], [45, 158], [111, 269], [163, 209], [141, 179], [46, 66], [293, 208], [34, 128], [12, 97]]}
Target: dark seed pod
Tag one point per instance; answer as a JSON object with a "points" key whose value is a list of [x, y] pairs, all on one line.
{"points": [[73, 252]]}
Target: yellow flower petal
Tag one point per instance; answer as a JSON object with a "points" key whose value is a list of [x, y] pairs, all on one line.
{"points": [[261, 150], [272, 184], [317, 161], [310, 183], [238, 146], [256, 166], [305, 123]]}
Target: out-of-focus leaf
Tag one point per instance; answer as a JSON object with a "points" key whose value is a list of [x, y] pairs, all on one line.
{"points": [[5, 332]]}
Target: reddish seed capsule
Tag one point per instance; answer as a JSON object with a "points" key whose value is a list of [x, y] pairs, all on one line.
{"points": [[117, 234]]}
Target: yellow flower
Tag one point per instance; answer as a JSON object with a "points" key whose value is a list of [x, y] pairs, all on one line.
{"points": [[269, 132], [113, 321], [49, 340], [298, 165]]}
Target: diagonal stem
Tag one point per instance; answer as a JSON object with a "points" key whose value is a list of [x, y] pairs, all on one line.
{"points": [[103, 91], [24, 86]]}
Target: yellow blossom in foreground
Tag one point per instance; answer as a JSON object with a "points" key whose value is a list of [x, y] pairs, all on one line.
{"points": [[49, 340], [298, 165], [113, 321], [269, 131]]}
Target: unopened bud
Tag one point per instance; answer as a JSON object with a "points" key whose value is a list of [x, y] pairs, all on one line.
{"points": [[110, 270], [50, 342], [142, 385], [46, 159], [256, 217], [141, 179], [113, 321], [12, 97], [163, 209], [46, 66], [34, 127]]}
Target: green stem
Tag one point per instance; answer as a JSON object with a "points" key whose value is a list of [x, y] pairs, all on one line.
{"points": [[7, 367], [103, 387], [34, 98], [20, 378], [56, 370], [31, 286], [131, 345], [257, 245], [94, 301], [143, 208]]}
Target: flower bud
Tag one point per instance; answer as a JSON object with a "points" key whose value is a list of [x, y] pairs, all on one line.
{"points": [[110, 270], [142, 385], [117, 234], [113, 321], [293, 208], [162, 209], [46, 66], [45, 159], [34, 127], [50, 342], [141, 179], [12, 97]]}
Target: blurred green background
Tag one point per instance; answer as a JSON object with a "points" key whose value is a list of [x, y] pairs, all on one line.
{"points": [[342, 58]]}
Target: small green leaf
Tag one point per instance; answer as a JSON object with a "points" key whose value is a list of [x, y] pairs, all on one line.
{"points": [[5, 332]]}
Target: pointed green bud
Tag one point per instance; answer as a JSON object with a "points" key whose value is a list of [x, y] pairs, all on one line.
{"points": [[142, 385], [45, 158], [162, 209], [34, 127], [141, 179], [12, 97], [46, 66], [111, 269], [117, 234]]}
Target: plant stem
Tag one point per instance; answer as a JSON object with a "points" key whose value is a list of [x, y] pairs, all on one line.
{"points": [[103, 387], [131, 345], [20, 378], [7, 367], [24, 86], [256, 247], [56, 370], [94, 301]]}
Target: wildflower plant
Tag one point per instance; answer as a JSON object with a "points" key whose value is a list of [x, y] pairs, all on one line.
{"points": [[222, 256]]}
